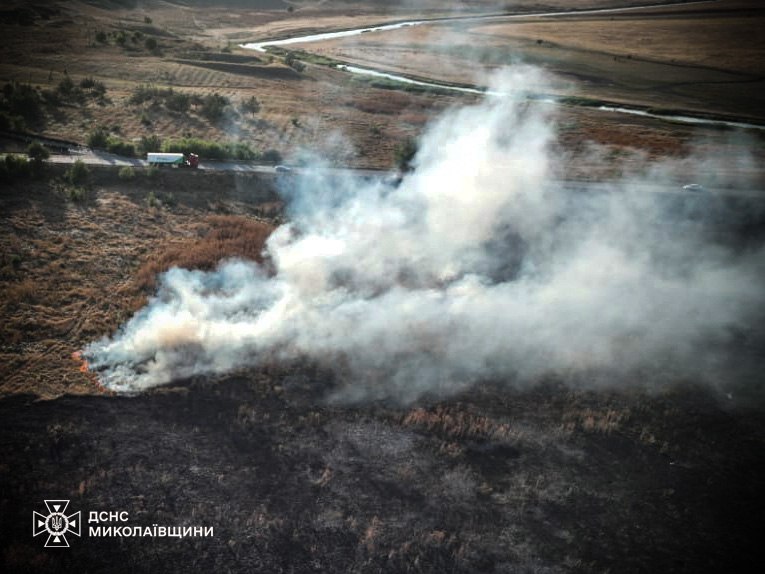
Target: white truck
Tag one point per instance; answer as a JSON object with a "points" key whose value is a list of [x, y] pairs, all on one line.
{"points": [[175, 159]]}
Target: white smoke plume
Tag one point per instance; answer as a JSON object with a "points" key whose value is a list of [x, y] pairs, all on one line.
{"points": [[477, 266]]}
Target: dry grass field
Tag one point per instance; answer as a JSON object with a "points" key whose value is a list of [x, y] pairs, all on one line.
{"points": [[547, 478], [74, 270]]}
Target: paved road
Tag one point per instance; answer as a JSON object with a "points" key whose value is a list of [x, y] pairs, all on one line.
{"points": [[106, 159]]}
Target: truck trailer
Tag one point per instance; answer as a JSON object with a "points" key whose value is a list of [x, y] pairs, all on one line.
{"points": [[174, 159]]}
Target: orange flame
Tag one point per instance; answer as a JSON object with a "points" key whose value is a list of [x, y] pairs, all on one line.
{"points": [[77, 356], [85, 369]]}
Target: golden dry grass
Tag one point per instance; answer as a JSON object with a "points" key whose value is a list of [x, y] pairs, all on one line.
{"points": [[229, 236], [72, 273]]}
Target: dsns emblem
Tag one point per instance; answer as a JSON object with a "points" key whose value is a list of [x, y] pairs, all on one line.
{"points": [[57, 524]]}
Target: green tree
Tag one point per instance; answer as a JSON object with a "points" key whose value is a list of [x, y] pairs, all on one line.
{"points": [[77, 174], [251, 105], [98, 138], [37, 153], [213, 106], [25, 101], [150, 44]]}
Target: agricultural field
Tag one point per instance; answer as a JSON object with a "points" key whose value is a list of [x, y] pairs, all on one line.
{"points": [[385, 326]]}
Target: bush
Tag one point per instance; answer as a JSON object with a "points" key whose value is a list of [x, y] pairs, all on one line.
{"points": [[150, 143], [150, 44], [209, 149], [101, 37], [76, 193], [213, 106], [97, 88], [98, 138], [14, 167], [120, 147], [250, 105], [126, 173], [11, 122], [152, 200], [37, 153], [291, 60], [178, 101], [23, 100], [67, 91], [143, 93], [78, 174]]}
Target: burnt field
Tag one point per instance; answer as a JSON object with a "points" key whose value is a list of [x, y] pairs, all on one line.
{"points": [[549, 480]]}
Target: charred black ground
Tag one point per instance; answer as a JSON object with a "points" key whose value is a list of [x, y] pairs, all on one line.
{"points": [[548, 480]]}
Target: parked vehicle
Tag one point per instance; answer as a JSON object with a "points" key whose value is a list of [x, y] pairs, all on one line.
{"points": [[693, 187]]}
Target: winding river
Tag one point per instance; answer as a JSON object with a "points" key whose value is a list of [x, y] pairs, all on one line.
{"points": [[262, 46]]}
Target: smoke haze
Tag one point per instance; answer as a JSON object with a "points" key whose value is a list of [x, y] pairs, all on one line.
{"points": [[477, 266]]}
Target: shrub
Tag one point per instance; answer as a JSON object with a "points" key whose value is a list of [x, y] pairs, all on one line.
{"points": [[291, 60], [178, 101], [213, 106], [37, 152], [23, 100], [76, 193], [150, 143], [126, 173], [66, 88], [120, 147], [11, 122], [142, 93], [152, 171], [146, 20], [78, 174], [101, 37], [98, 138], [210, 149], [14, 167], [150, 44], [97, 88], [250, 105]]}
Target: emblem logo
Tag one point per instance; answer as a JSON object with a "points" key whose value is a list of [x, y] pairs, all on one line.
{"points": [[57, 524]]}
